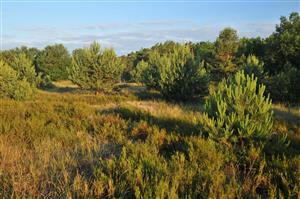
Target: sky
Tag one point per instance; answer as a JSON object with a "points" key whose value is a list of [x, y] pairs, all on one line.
{"points": [[129, 25]]}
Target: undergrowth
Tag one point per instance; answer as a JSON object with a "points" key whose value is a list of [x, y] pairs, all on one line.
{"points": [[118, 146]]}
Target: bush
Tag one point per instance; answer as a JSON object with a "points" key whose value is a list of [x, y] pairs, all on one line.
{"points": [[238, 112], [54, 61], [252, 65], [182, 77], [150, 73], [284, 86], [25, 69], [94, 68], [177, 73], [138, 73], [12, 86]]}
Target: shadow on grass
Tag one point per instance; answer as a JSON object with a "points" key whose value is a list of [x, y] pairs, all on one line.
{"points": [[287, 116], [293, 122], [171, 125], [147, 94], [61, 89]]}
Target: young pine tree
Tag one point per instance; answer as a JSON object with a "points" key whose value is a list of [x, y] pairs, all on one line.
{"points": [[182, 76], [95, 68], [12, 85], [226, 48], [239, 112], [25, 69], [252, 65]]}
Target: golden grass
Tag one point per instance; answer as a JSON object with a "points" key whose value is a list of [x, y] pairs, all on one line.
{"points": [[78, 145]]}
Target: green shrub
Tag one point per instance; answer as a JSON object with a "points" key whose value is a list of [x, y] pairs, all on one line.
{"points": [[25, 69], [94, 68], [151, 75], [252, 65], [284, 86], [239, 112], [182, 77], [54, 61], [12, 86], [138, 73], [177, 73]]}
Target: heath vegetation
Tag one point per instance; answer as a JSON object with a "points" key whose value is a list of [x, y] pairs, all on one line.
{"points": [[177, 120]]}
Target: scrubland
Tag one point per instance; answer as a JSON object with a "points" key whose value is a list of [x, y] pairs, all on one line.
{"points": [[131, 143]]}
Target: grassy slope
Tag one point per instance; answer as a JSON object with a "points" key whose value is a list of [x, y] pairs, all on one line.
{"points": [[69, 144]]}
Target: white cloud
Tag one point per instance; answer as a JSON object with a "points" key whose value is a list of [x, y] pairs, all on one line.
{"points": [[127, 37]]}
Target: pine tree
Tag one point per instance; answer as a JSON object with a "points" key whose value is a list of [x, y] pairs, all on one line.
{"points": [[95, 68], [25, 68], [226, 49], [239, 112], [252, 65], [54, 61], [12, 85], [182, 76]]}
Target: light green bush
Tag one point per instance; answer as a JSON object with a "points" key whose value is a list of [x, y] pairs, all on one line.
{"points": [[252, 65], [151, 72], [177, 73], [95, 68], [139, 72], [182, 77], [12, 85], [239, 112], [25, 69]]}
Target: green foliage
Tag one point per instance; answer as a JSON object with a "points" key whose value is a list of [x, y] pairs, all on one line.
{"points": [[13, 85], [284, 86], [54, 61], [25, 69], [206, 52], [182, 77], [151, 72], [113, 146], [252, 65], [138, 74], [227, 44], [177, 73], [94, 68], [238, 112], [252, 46], [8, 56], [283, 46]]}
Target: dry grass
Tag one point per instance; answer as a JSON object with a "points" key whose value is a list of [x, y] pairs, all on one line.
{"points": [[78, 145]]}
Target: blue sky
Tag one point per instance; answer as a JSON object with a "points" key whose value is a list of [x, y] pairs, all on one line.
{"points": [[130, 25]]}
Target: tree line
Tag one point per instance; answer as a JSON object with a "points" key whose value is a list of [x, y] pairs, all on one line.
{"points": [[181, 71]]}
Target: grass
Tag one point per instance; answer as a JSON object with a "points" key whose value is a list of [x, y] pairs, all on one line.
{"points": [[132, 144]]}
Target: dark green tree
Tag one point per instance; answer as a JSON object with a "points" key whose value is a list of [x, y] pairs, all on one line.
{"points": [[283, 46], [227, 45], [54, 61], [206, 51]]}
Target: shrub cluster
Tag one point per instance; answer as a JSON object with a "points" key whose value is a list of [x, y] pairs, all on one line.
{"points": [[177, 73], [18, 80], [94, 68], [284, 86]]}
